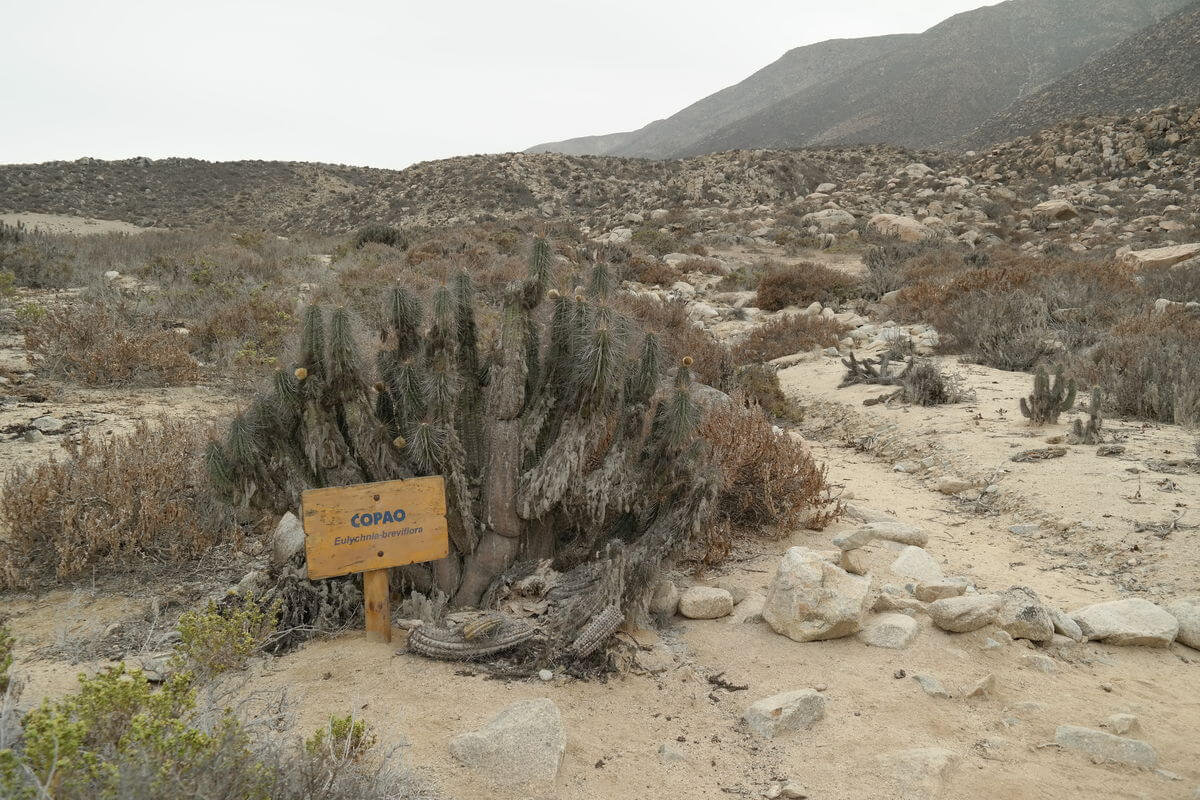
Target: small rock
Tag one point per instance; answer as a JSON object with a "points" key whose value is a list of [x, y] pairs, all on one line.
{"points": [[916, 563], [893, 631], [1025, 529], [889, 531], [288, 538], [786, 712], [749, 610], [48, 424], [951, 485], [940, 590], [1103, 746], [705, 602], [1186, 612], [1110, 449], [793, 791], [665, 599], [931, 685], [670, 754], [545, 675], [1066, 626], [525, 742], [854, 562], [1040, 662], [1129, 622], [1023, 616], [33, 435], [967, 613], [1121, 724], [920, 772]]}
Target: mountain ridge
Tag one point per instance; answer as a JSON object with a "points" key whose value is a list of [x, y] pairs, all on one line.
{"points": [[911, 90]]}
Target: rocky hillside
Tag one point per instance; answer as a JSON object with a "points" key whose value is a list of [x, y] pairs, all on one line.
{"points": [[798, 69], [1154, 67], [914, 91], [322, 197]]}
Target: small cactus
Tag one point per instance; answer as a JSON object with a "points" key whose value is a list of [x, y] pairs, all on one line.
{"points": [[1048, 400], [1089, 432]]}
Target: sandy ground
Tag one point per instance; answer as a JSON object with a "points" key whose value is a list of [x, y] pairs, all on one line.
{"points": [[1109, 527], [1002, 742], [61, 223]]}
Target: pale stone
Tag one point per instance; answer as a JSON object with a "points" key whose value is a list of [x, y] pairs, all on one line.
{"points": [[1103, 746], [966, 613], [893, 631], [1127, 622], [811, 598], [522, 744], [786, 712], [705, 602]]}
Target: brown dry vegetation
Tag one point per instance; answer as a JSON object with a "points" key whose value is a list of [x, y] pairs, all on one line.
{"points": [[114, 503], [794, 333], [802, 284]]}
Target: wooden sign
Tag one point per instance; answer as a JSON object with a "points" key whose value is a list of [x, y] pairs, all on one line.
{"points": [[371, 527]]}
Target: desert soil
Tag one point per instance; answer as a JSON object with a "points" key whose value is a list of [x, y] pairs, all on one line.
{"points": [[1107, 527]]}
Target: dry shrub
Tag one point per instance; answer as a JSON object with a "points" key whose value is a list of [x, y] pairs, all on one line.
{"points": [[759, 384], [105, 345], [114, 503], [650, 272], [1003, 329], [253, 329], [768, 478], [1148, 367], [802, 284], [793, 333]]}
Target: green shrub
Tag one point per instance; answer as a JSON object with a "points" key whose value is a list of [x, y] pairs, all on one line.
{"points": [[118, 738], [342, 736], [222, 638]]}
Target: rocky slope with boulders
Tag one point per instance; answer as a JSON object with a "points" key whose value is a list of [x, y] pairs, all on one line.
{"points": [[1157, 66]]}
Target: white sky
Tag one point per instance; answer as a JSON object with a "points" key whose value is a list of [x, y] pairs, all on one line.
{"points": [[385, 84]]}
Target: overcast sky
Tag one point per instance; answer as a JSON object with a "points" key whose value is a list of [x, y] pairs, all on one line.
{"points": [[385, 84]]}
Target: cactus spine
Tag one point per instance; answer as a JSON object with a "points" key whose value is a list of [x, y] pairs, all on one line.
{"points": [[1048, 400]]}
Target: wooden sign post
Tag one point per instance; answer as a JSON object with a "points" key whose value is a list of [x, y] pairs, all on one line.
{"points": [[370, 528]]}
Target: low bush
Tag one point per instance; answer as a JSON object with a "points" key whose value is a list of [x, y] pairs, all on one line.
{"points": [[759, 385], [768, 477], [650, 272], [1149, 367], [6, 658], [222, 638], [656, 241], [380, 234], [802, 284], [1003, 329], [926, 385], [118, 737], [107, 345], [114, 503], [792, 333]]}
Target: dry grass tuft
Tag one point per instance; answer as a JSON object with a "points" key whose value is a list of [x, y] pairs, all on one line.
{"points": [[115, 503]]}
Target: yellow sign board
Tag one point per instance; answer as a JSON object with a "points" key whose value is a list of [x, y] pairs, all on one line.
{"points": [[373, 526]]}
